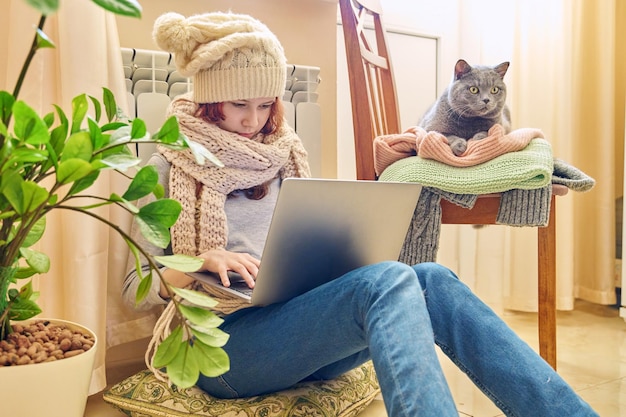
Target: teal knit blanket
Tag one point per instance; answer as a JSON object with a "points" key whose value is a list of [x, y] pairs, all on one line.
{"points": [[528, 169]]}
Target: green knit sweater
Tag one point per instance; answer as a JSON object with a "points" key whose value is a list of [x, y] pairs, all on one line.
{"points": [[528, 169]]}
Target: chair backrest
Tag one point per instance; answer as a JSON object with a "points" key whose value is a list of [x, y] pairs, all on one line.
{"points": [[372, 88]]}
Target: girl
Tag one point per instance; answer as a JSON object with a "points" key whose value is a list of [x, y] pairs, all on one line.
{"points": [[391, 313]]}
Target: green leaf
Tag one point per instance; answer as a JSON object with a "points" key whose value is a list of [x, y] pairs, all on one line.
{"points": [[27, 155], [196, 297], [179, 262], [84, 183], [24, 272], [110, 106], [142, 184], [139, 130], [5, 215], [78, 146], [169, 131], [200, 316], [6, 104], [46, 7], [155, 218], [34, 196], [29, 127], [211, 337], [164, 211], [62, 117], [212, 361], [58, 136], [24, 196], [184, 371], [155, 233], [39, 261], [121, 162], [136, 254], [169, 348], [73, 170], [120, 136], [79, 111], [27, 293], [202, 154], [43, 41], [97, 108], [122, 7], [113, 126], [14, 193], [48, 119], [95, 134], [35, 233], [23, 309], [159, 191], [144, 288], [132, 209]]}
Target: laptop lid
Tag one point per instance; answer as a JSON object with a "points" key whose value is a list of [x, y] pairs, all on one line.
{"points": [[323, 228]]}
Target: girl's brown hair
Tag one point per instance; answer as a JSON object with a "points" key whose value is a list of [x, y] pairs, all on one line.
{"points": [[213, 113]]}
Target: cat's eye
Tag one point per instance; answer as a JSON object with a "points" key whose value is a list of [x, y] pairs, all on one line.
{"points": [[473, 90], [495, 90]]}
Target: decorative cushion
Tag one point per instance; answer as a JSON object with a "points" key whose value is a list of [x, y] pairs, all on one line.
{"points": [[142, 395]]}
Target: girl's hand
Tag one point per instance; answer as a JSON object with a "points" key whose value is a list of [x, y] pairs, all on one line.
{"points": [[221, 261]]}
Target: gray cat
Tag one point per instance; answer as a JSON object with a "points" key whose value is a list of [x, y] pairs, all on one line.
{"points": [[472, 103]]}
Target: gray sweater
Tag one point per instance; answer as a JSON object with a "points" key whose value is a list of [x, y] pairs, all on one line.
{"points": [[248, 223]]}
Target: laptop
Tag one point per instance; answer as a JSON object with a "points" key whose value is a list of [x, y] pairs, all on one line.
{"points": [[322, 229]]}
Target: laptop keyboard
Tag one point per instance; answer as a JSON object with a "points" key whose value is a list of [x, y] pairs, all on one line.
{"points": [[240, 286]]}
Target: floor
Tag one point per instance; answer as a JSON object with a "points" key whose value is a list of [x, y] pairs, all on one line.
{"points": [[591, 356]]}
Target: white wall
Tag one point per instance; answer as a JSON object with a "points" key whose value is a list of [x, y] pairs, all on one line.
{"points": [[439, 18]]}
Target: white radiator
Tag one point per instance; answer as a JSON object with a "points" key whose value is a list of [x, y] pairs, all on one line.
{"points": [[152, 81]]}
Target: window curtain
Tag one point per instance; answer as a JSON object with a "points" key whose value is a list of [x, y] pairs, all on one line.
{"points": [[88, 258], [566, 61]]}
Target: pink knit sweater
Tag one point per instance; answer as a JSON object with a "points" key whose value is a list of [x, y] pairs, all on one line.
{"points": [[433, 145]]}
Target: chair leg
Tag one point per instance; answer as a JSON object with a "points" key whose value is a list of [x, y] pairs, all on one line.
{"points": [[546, 237]]}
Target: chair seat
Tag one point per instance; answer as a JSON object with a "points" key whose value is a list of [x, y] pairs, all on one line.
{"points": [[484, 211]]}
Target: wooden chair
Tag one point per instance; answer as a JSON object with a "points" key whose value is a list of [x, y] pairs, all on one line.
{"points": [[375, 113]]}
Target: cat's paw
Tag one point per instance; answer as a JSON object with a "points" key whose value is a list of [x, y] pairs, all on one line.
{"points": [[480, 135], [457, 144]]}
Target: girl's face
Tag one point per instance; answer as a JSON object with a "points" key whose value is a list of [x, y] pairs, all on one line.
{"points": [[246, 117]]}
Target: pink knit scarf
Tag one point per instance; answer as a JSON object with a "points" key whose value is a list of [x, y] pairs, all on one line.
{"points": [[247, 163]]}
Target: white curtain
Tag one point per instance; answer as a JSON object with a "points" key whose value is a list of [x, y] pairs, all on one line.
{"points": [[88, 259], [561, 80]]}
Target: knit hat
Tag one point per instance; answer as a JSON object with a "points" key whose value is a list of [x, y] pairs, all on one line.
{"points": [[230, 56]]}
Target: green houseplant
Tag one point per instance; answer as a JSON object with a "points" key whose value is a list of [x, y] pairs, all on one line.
{"points": [[49, 162]]}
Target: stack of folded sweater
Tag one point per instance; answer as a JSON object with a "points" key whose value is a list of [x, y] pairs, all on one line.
{"points": [[519, 165]]}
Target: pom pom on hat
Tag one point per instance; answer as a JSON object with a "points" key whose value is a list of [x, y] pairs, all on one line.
{"points": [[171, 34], [230, 56]]}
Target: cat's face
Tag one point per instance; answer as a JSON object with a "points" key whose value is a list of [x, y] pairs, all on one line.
{"points": [[477, 91]]}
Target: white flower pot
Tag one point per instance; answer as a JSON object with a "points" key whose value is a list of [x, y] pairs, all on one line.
{"points": [[58, 388]]}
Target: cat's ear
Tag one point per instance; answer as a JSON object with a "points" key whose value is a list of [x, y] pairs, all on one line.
{"points": [[501, 69], [461, 68]]}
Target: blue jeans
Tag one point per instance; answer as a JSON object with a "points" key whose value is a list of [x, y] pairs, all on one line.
{"points": [[392, 314]]}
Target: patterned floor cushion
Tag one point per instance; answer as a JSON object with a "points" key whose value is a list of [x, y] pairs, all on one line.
{"points": [[142, 395]]}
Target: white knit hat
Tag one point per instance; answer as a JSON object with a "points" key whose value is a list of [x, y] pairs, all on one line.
{"points": [[230, 56]]}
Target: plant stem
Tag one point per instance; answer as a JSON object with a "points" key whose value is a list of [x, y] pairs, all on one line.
{"points": [[29, 58], [152, 265], [128, 238]]}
